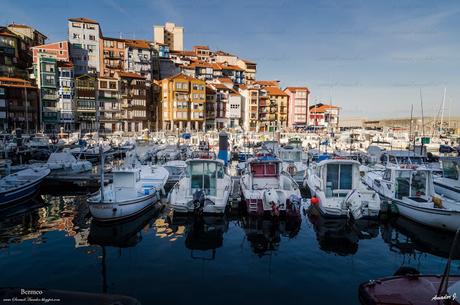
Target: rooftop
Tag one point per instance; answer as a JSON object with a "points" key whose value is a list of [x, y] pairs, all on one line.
{"points": [[275, 91], [130, 75], [293, 89], [137, 43], [84, 20]]}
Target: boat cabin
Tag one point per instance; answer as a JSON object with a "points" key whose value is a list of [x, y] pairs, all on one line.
{"points": [[408, 181], [204, 175], [203, 154], [295, 142], [338, 177], [289, 153], [398, 157], [450, 168], [264, 173], [125, 178]]}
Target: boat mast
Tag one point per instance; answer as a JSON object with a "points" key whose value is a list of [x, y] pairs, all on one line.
{"points": [[442, 111], [410, 128], [423, 122], [101, 171]]}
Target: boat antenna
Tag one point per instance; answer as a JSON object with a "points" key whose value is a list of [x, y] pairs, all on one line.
{"points": [[445, 277]]}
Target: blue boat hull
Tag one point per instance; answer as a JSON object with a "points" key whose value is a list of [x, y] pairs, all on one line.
{"points": [[14, 196]]}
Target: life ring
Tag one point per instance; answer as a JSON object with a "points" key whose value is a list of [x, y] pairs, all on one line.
{"points": [[291, 169]]}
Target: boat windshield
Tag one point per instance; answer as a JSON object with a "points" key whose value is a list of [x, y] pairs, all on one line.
{"points": [[410, 184], [174, 170], [264, 170], [339, 177], [204, 175], [297, 143], [450, 169], [295, 156]]}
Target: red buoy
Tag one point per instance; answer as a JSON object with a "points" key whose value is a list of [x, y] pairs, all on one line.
{"points": [[314, 200]]}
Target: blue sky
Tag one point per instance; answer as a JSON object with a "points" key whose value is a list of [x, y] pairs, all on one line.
{"points": [[370, 57]]}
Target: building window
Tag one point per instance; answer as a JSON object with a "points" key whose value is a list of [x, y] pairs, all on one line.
{"points": [[92, 37], [103, 84]]}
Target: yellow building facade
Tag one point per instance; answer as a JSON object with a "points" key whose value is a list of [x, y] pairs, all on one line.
{"points": [[183, 103]]}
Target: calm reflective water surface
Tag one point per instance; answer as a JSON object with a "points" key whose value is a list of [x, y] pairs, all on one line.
{"points": [[52, 242]]}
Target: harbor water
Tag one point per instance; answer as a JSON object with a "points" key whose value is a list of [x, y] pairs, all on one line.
{"points": [[157, 258]]}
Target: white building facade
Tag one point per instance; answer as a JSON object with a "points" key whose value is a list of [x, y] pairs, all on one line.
{"points": [[84, 37]]}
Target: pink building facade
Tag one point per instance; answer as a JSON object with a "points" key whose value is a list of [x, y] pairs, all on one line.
{"points": [[59, 49], [298, 107]]}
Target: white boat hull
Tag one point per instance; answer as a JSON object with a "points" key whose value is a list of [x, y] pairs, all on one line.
{"points": [[451, 192], [438, 218], [113, 211]]}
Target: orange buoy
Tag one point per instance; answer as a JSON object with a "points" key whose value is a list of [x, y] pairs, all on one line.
{"points": [[314, 200]]}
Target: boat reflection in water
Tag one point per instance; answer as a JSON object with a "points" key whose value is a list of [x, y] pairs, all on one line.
{"points": [[340, 236], [410, 238], [202, 233], [264, 234], [122, 234]]}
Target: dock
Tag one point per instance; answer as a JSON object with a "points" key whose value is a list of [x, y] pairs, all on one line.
{"points": [[89, 180]]}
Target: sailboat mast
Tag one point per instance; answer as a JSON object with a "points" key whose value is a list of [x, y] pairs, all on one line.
{"points": [[410, 128], [442, 110], [423, 119], [101, 156]]}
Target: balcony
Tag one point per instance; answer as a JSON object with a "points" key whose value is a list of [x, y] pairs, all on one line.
{"points": [[49, 96], [7, 51]]}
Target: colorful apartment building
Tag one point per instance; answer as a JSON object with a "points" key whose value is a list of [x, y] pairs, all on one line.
{"points": [[14, 55], [249, 68], [46, 75], [19, 105], [110, 113], [210, 108], [264, 107], [183, 103], [298, 107], [228, 106], [142, 58], [66, 104], [134, 101], [112, 55], [58, 50], [324, 116], [86, 105]]}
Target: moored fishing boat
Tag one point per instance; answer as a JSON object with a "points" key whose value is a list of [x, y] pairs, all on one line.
{"points": [[66, 162], [337, 190], [133, 190], [266, 188], [204, 188], [21, 185], [293, 163], [410, 187], [449, 183]]}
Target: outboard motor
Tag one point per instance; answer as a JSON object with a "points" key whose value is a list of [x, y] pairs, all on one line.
{"points": [[199, 198]]}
